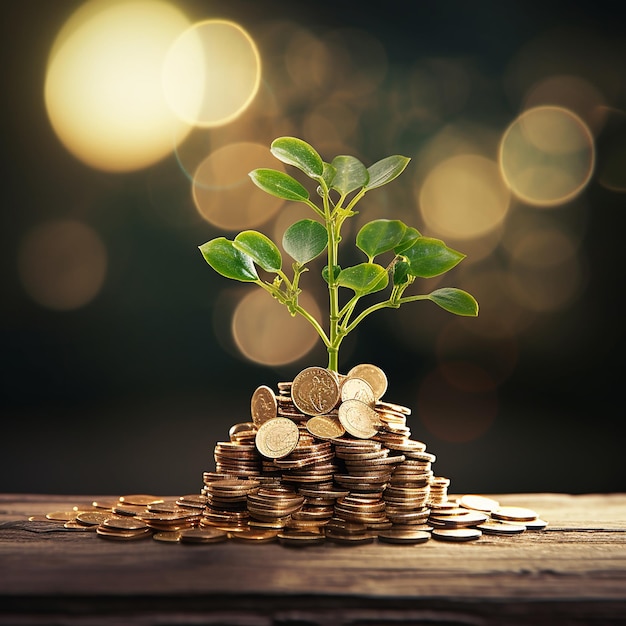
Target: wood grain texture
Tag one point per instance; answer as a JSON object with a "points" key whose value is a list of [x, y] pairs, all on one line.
{"points": [[573, 572]]}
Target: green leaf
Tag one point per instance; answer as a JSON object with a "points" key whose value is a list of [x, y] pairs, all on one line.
{"points": [[305, 240], [410, 235], [329, 174], [400, 273], [385, 170], [226, 260], [363, 278], [298, 153], [325, 274], [279, 184], [328, 177], [456, 301], [380, 236], [429, 257], [351, 174], [261, 249]]}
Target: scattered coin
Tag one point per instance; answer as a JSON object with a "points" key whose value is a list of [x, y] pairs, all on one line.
{"points": [[123, 535], [536, 524], [61, 516], [140, 499], [479, 503], [456, 534], [92, 518], [500, 528], [167, 536], [403, 536], [514, 514]]}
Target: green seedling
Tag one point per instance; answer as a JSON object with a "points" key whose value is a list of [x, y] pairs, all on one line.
{"points": [[341, 184]]}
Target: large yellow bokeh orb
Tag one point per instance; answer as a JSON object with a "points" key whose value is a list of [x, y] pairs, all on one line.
{"points": [[212, 73], [104, 83]]}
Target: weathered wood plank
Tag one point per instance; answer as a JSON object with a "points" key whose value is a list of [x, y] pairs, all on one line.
{"points": [[576, 568]]}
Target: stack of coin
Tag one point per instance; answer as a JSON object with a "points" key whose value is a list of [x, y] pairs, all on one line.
{"points": [[237, 459], [226, 506], [438, 490], [243, 432], [123, 528], [171, 521], [366, 509], [312, 463], [272, 507]]}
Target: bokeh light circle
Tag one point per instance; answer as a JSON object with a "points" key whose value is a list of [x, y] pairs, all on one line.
{"points": [[103, 90], [222, 190], [463, 197], [265, 332], [62, 264], [547, 156], [457, 414], [212, 73]]}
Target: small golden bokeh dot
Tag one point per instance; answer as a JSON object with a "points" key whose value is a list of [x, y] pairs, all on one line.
{"points": [[223, 193], [62, 264]]}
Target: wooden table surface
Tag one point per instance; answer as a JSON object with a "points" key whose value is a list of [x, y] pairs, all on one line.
{"points": [[572, 572]]}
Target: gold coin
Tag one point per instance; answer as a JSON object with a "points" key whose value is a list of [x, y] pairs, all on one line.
{"points": [[61, 516], [324, 427], [301, 538], [357, 389], [479, 503], [123, 535], [263, 405], [277, 437], [348, 539], [373, 375], [501, 528], [256, 536], [124, 523], [74, 525], [469, 518], [92, 518], [514, 514], [140, 499], [359, 419], [315, 390], [203, 535], [403, 536], [536, 524], [456, 534], [167, 536]]}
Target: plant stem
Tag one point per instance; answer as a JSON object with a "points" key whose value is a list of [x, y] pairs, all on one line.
{"points": [[333, 289]]}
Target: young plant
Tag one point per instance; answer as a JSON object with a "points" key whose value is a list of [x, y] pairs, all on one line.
{"points": [[341, 184]]}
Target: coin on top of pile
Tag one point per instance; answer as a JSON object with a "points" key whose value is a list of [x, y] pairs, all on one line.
{"points": [[263, 405], [373, 376], [315, 390]]}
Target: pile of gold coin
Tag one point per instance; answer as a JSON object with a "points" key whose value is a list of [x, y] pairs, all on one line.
{"points": [[324, 459]]}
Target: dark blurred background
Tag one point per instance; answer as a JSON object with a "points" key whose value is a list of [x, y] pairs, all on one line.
{"points": [[125, 358]]}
